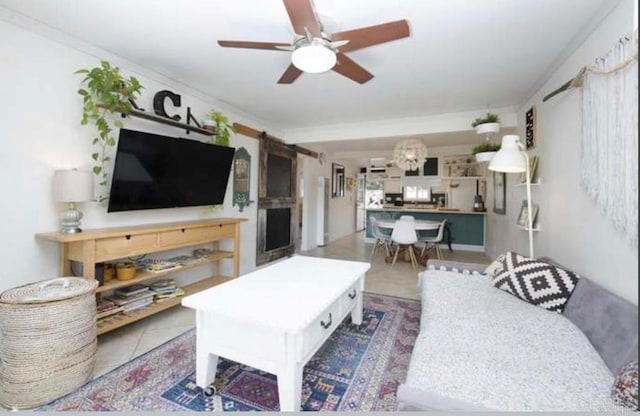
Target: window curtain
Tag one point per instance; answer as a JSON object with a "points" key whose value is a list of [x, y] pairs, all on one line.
{"points": [[609, 148]]}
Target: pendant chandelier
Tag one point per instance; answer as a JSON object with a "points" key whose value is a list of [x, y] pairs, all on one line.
{"points": [[410, 154]]}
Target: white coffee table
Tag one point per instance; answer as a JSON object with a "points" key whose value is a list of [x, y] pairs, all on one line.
{"points": [[276, 318]]}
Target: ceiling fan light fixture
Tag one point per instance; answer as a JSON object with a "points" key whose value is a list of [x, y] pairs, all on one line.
{"points": [[313, 57]]}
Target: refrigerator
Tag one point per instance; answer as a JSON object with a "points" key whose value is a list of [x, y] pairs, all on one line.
{"points": [[323, 197], [360, 201]]}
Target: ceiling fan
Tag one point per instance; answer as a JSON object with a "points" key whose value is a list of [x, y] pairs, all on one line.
{"points": [[314, 51]]}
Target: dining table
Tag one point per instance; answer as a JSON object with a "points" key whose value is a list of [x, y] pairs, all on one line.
{"points": [[420, 225]]}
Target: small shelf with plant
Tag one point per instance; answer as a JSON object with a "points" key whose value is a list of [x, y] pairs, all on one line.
{"points": [[487, 125], [484, 152]]}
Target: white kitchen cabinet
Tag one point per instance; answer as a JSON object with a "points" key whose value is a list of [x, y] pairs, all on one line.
{"points": [[393, 186]]}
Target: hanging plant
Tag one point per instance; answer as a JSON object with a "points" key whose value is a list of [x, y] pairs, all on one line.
{"points": [[485, 147], [106, 95], [489, 118], [223, 129]]}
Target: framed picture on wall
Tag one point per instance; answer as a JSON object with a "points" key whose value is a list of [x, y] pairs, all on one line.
{"points": [[523, 217], [530, 127], [533, 165], [499, 192]]}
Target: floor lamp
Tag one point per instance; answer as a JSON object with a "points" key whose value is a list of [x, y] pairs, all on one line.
{"points": [[512, 158]]}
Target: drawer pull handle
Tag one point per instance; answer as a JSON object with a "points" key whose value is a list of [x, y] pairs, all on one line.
{"points": [[328, 324], [128, 236], [352, 295]]}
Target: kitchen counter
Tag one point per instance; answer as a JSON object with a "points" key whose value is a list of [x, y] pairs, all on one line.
{"points": [[467, 228], [409, 208]]}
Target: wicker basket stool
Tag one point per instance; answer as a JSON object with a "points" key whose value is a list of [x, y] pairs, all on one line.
{"points": [[47, 340]]}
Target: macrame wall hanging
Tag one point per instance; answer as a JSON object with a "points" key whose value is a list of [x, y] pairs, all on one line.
{"points": [[609, 149], [609, 146]]}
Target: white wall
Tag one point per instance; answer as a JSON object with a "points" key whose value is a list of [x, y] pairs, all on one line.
{"points": [[41, 132], [573, 231]]}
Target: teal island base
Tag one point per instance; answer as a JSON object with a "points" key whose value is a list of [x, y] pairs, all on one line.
{"points": [[467, 229]]}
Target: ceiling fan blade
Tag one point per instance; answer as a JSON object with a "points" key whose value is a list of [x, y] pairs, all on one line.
{"points": [[253, 45], [302, 16], [372, 35], [291, 74], [347, 67]]}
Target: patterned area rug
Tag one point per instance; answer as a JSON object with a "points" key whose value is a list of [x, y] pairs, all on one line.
{"points": [[359, 368]]}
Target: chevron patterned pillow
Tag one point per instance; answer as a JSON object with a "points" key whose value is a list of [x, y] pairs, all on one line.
{"points": [[535, 281]]}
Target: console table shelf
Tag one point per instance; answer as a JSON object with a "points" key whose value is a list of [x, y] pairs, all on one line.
{"points": [[108, 244], [143, 276], [117, 321]]}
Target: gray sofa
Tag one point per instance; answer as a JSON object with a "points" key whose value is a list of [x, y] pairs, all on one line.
{"points": [[481, 348]]}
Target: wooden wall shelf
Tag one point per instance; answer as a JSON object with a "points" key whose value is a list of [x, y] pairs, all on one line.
{"points": [[170, 122]]}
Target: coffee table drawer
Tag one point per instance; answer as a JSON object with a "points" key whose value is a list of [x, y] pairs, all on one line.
{"points": [[319, 330], [350, 297]]}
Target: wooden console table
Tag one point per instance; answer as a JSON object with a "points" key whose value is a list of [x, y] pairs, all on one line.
{"points": [[107, 244]]}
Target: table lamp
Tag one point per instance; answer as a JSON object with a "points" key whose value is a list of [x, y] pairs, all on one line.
{"points": [[512, 158], [72, 187]]}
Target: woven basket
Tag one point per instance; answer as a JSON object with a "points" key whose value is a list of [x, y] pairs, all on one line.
{"points": [[47, 340]]}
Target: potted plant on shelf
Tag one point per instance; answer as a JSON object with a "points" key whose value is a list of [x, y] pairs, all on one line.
{"points": [[487, 124], [221, 126], [107, 95], [484, 152]]}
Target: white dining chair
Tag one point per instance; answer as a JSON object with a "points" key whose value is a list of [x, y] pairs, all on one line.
{"points": [[383, 239], [404, 235], [433, 243]]}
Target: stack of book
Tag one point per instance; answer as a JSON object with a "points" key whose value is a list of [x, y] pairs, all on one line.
{"points": [[107, 308], [132, 297], [165, 289]]}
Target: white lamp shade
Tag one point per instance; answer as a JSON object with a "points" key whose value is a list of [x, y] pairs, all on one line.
{"points": [[72, 186], [313, 58], [510, 158]]}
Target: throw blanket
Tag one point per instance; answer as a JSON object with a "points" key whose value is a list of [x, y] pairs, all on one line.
{"points": [[483, 346]]}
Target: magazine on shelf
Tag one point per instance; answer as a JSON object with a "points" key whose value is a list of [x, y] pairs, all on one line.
{"points": [[182, 260], [132, 290], [156, 265], [109, 312], [137, 304], [104, 305], [177, 293], [162, 283], [123, 300], [164, 290]]}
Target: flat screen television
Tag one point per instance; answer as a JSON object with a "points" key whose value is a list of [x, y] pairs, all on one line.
{"points": [[153, 171]]}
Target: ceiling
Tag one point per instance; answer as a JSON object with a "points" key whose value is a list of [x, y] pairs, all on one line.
{"points": [[462, 55]]}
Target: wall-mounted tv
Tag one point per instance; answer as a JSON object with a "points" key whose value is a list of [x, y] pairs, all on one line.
{"points": [[153, 171]]}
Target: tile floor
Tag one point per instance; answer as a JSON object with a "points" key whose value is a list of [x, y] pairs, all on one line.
{"points": [[120, 346]]}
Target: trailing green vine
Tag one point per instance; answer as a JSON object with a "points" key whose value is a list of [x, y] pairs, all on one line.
{"points": [[107, 95], [223, 129]]}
